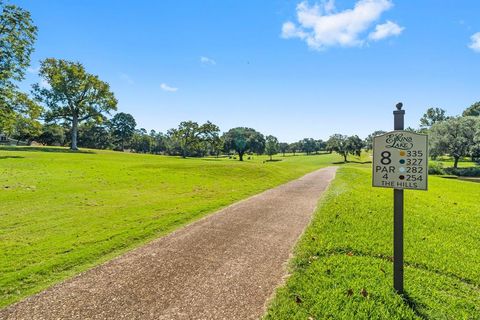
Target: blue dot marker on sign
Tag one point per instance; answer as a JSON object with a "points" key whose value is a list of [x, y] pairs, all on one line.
{"points": [[402, 161]]}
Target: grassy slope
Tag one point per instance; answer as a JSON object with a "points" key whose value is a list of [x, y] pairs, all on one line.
{"points": [[348, 248], [61, 212]]}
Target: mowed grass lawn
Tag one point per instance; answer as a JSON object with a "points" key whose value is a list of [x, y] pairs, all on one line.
{"points": [[62, 212], [343, 264]]}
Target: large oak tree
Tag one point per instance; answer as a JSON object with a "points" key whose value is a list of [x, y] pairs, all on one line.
{"points": [[73, 95], [244, 140], [190, 135], [455, 136]]}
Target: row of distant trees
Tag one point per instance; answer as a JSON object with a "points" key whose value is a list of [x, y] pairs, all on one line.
{"points": [[189, 139]]}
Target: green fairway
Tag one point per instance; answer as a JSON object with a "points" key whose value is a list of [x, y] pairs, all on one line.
{"points": [[63, 212], [343, 264]]}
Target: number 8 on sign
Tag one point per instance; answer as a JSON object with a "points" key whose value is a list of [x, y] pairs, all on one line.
{"points": [[386, 158]]}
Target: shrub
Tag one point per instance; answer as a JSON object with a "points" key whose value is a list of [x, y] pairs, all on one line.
{"points": [[464, 172], [435, 168]]}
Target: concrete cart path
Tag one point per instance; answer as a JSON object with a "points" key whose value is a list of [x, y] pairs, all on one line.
{"points": [[224, 266]]}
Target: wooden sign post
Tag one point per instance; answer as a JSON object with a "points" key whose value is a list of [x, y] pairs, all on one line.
{"points": [[400, 161]]}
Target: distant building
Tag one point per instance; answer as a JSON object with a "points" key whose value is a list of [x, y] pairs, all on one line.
{"points": [[3, 138]]}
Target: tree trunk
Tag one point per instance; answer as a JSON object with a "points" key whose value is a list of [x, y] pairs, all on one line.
{"points": [[455, 164], [270, 157], [74, 133], [345, 157], [240, 156]]}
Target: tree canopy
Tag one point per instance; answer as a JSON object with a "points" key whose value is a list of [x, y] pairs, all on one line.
{"points": [[339, 144], [283, 147], [345, 145], [123, 128], [73, 95], [308, 145], [473, 110], [17, 37], [190, 135], [369, 139], [294, 147], [271, 146], [355, 145], [243, 140], [432, 116], [454, 136]]}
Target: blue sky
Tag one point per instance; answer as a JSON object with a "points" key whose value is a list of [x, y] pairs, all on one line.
{"points": [[285, 68]]}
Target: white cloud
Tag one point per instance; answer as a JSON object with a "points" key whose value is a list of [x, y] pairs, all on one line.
{"points": [[166, 87], [475, 44], [385, 30], [125, 77], [209, 61], [321, 26]]}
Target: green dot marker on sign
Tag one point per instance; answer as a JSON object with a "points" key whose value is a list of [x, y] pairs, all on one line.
{"points": [[402, 161]]}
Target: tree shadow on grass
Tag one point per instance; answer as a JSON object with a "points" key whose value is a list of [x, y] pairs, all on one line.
{"points": [[43, 149], [274, 160], [11, 157], [414, 305]]}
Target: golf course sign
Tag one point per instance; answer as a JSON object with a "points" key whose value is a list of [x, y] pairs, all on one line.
{"points": [[400, 160]]}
